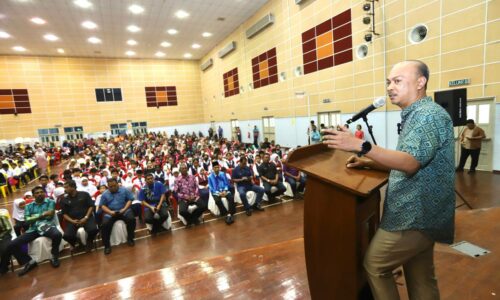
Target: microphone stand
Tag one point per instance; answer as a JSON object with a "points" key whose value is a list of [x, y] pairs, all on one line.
{"points": [[369, 129]]}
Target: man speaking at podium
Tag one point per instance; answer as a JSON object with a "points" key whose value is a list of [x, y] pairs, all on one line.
{"points": [[419, 207]]}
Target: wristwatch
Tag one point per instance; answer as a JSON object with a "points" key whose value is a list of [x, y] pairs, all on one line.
{"points": [[365, 148]]}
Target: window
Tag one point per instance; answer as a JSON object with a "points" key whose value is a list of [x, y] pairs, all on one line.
{"points": [[268, 128], [331, 118], [48, 135], [108, 94], [139, 127], [118, 129], [73, 133]]}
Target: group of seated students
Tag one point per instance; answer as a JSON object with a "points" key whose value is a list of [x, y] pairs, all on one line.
{"points": [[16, 170], [105, 183]]}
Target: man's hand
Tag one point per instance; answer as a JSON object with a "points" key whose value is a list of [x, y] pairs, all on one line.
{"points": [[341, 139], [83, 220], [357, 162]]}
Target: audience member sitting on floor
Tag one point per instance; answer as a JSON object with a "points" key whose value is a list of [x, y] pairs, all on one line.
{"points": [[115, 203], [270, 177], [186, 189], [153, 196], [219, 188], [243, 176], [40, 215], [77, 208]]}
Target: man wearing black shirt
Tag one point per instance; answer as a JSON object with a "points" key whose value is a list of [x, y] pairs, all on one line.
{"points": [[77, 210], [270, 178], [243, 176]]}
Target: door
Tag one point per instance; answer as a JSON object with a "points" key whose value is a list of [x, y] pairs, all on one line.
{"points": [[482, 111], [268, 128], [234, 125]]}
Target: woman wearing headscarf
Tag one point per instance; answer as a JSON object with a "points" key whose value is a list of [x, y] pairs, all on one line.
{"points": [[41, 160]]}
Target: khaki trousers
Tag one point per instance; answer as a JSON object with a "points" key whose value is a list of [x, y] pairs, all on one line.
{"points": [[411, 249]]}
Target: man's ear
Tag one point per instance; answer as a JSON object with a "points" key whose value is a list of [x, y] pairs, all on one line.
{"points": [[421, 82]]}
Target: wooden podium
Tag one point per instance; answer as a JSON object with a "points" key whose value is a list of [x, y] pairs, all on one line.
{"points": [[341, 215]]}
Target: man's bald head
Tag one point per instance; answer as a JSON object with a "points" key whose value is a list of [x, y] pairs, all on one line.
{"points": [[421, 69]]}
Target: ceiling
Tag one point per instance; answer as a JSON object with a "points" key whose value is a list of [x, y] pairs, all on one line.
{"points": [[63, 19]]}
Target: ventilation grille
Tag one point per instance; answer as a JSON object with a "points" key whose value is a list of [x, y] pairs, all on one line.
{"points": [[207, 64], [260, 25], [228, 49]]}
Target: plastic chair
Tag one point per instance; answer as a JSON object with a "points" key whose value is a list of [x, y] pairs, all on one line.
{"points": [[40, 248]]}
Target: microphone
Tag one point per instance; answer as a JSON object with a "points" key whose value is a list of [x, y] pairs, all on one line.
{"points": [[377, 103]]}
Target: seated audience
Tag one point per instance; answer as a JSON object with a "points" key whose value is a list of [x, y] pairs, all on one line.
{"points": [[242, 175], [115, 203], [294, 177], [40, 215], [186, 189], [153, 196], [270, 177], [77, 208], [219, 188]]}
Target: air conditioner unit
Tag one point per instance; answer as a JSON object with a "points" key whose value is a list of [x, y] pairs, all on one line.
{"points": [[228, 49], [260, 25], [207, 64]]}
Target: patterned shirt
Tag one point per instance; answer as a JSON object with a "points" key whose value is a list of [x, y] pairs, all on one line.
{"points": [[34, 210], [424, 201], [186, 187]]}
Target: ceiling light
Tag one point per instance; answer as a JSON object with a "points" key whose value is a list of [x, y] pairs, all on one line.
{"points": [[130, 53], [195, 46], [83, 3], [165, 44], [4, 35], [94, 40], [206, 34], [160, 54], [136, 9], [172, 31], [131, 43], [38, 21], [19, 48], [89, 25], [133, 28], [187, 55], [181, 14], [50, 37], [60, 50]]}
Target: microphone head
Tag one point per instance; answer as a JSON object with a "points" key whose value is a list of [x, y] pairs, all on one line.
{"points": [[379, 102]]}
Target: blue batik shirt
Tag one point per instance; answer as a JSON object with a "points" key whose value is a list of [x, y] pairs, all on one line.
{"points": [[424, 201]]}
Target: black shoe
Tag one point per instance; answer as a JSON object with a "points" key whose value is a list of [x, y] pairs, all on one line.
{"points": [[471, 171], [229, 220], [249, 212], [27, 267], [258, 207], [131, 243], [459, 170], [89, 246], [107, 250], [196, 222], [55, 262]]}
